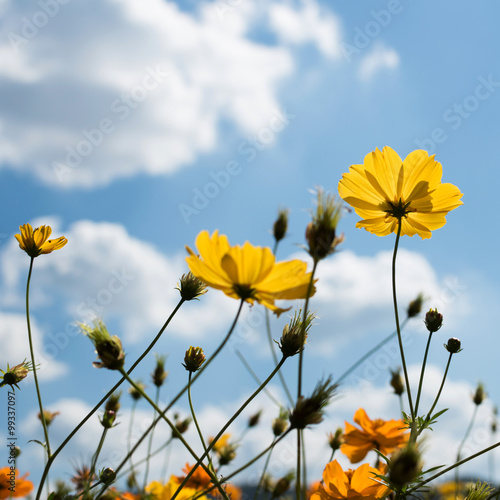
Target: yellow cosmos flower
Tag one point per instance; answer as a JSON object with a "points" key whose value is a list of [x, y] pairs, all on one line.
{"points": [[247, 272], [386, 189], [35, 242], [358, 484], [383, 435], [165, 491]]}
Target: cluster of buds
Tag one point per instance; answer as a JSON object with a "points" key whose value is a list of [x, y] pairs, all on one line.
{"points": [[190, 287], [12, 376], [193, 359], [294, 336], [159, 375], [280, 227], [433, 320], [321, 232], [108, 348], [309, 411]]}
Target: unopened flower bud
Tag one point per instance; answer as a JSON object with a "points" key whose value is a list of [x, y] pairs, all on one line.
{"points": [[335, 440], [321, 232], [280, 227], [159, 375], [48, 416], [405, 466], [190, 287], [309, 411], [280, 424], [227, 453], [182, 426], [433, 320], [397, 382], [193, 359], [294, 336], [282, 485], [480, 395], [415, 306], [113, 402], [108, 419], [135, 393], [108, 348], [254, 419], [453, 345], [12, 376], [107, 476]]}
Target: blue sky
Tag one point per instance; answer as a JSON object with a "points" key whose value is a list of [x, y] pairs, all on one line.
{"points": [[131, 126]]}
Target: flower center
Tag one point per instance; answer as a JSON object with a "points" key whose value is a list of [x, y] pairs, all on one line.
{"points": [[243, 291], [398, 209]]}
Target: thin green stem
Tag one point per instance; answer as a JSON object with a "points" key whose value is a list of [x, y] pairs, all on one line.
{"points": [[150, 443], [103, 400], [370, 352], [466, 436], [451, 467], [96, 454], [227, 424], [195, 420], [129, 436], [264, 470], [33, 363], [184, 389], [429, 415], [422, 371], [299, 382], [256, 378], [398, 328]]}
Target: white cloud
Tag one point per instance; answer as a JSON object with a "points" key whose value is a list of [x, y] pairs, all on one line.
{"points": [[378, 58], [310, 24], [145, 93], [15, 347]]}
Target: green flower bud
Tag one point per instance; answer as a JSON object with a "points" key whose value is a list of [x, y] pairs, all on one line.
{"points": [[433, 320], [190, 287], [193, 359], [453, 346]]}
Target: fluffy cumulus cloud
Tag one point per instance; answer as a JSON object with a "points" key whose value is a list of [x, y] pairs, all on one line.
{"points": [[308, 24], [104, 90], [378, 58]]}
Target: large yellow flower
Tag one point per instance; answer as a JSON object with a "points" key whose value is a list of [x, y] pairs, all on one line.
{"points": [[356, 484], [383, 435], [247, 272], [36, 242], [386, 189]]}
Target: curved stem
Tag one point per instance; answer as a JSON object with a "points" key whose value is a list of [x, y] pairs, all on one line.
{"points": [[299, 383], [398, 329], [33, 363], [227, 424], [150, 443], [103, 400], [420, 382], [370, 352], [96, 455]]}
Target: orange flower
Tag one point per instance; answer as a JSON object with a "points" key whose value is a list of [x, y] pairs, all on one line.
{"points": [[13, 486], [200, 480], [358, 484], [232, 491], [383, 435]]}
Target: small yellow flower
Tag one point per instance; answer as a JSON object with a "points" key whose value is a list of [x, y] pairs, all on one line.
{"points": [[385, 190], [247, 272], [36, 241]]}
